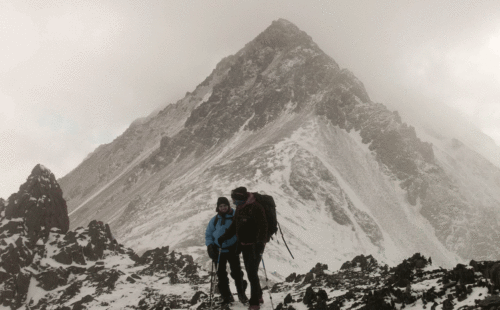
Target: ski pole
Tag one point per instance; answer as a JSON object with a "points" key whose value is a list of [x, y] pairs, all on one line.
{"points": [[284, 241], [211, 283], [267, 283], [216, 270]]}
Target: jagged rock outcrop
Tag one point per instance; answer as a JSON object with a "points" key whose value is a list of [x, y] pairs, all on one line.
{"points": [[354, 287], [404, 272], [361, 261], [40, 203], [84, 260]]}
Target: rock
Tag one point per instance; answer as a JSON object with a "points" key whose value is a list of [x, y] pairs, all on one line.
{"points": [[309, 277], [22, 286], [299, 278], [174, 279], [77, 255], [94, 269], [364, 262], [291, 277], [322, 294], [4, 276], [319, 268], [53, 278], [276, 287], [105, 279], [79, 304], [197, 297], [489, 302], [309, 296], [448, 305], [70, 291], [63, 257], [463, 274], [130, 279], [493, 273], [40, 202]]}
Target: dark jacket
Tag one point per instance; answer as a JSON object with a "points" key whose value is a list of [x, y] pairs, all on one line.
{"points": [[213, 232], [249, 223]]}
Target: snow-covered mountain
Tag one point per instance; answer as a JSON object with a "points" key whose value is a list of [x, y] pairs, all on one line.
{"points": [[282, 118]]}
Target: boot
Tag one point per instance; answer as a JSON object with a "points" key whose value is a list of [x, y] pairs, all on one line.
{"points": [[241, 292], [241, 288], [226, 300], [225, 294]]}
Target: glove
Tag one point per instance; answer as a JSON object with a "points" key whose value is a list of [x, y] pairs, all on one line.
{"points": [[212, 250], [221, 240], [259, 247]]}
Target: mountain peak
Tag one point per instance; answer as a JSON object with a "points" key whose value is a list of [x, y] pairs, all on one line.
{"points": [[282, 33], [40, 170], [285, 24]]}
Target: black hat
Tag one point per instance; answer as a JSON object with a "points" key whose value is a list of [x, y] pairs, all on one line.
{"points": [[239, 193], [222, 201]]}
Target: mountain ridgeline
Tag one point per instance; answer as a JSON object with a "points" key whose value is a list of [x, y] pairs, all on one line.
{"points": [[281, 117]]}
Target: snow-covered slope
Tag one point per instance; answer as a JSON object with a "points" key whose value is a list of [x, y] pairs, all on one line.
{"points": [[88, 268], [282, 118]]}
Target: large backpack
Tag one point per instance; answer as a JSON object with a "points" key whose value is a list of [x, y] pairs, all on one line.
{"points": [[269, 206]]}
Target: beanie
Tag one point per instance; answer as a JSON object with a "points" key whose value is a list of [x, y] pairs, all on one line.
{"points": [[239, 193], [222, 201]]}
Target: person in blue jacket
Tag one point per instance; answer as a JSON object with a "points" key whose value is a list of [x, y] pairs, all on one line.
{"points": [[228, 252]]}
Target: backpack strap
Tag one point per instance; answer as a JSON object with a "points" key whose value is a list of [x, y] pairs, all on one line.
{"points": [[216, 220]]}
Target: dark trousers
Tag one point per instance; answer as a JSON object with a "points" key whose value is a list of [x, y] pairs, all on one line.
{"points": [[252, 261], [234, 263]]}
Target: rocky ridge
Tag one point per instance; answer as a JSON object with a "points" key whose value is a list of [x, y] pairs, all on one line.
{"points": [[106, 275], [82, 269]]}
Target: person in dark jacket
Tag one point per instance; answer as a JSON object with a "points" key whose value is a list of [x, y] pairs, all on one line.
{"points": [[250, 226], [228, 252]]}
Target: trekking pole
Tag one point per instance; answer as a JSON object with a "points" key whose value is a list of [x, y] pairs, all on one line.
{"points": [[284, 240], [216, 270], [211, 283], [267, 282]]}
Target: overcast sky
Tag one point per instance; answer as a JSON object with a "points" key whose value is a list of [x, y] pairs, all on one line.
{"points": [[75, 74]]}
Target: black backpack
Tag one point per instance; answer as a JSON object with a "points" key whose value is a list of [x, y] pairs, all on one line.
{"points": [[269, 206]]}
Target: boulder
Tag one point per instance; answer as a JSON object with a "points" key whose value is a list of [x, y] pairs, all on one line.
{"points": [[52, 278], [291, 277], [197, 297]]}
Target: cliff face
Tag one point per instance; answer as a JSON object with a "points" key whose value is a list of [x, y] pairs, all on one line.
{"points": [[281, 117]]}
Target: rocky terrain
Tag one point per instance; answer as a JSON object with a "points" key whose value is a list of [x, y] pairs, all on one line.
{"points": [[87, 268]]}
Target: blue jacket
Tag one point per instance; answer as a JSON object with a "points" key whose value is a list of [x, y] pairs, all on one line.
{"points": [[213, 233]]}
